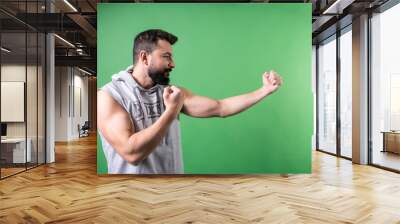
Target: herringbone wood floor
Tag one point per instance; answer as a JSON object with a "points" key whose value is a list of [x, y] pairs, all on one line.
{"points": [[69, 191]]}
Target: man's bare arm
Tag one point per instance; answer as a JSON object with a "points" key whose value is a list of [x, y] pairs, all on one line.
{"points": [[116, 127], [200, 106]]}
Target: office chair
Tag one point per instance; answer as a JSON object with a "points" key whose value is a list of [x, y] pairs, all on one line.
{"points": [[84, 130]]}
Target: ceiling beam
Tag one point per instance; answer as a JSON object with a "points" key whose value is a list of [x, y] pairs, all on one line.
{"points": [[337, 7], [84, 61]]}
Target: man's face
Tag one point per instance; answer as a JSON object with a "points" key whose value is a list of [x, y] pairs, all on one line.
{"points": [[161, 63]]}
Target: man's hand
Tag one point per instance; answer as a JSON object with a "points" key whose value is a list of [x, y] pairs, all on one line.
{"points": [[173, 98], [271, 81]]}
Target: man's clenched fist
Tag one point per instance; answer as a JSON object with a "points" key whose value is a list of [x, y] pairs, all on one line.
{"points": [[271, 81], [173, 98]]}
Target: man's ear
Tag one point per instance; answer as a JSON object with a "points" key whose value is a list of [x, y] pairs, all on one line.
{"points": [[144, 57]]}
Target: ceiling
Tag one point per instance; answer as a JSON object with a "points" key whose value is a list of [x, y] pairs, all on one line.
{"points": [[76, 22]]}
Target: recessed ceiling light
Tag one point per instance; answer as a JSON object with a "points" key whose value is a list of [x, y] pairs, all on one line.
{"points": [[338, 6], [5, 49], [70, 5], [84, 71], [64, 40]]}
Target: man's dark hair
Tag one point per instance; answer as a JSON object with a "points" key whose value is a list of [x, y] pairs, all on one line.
{"points": [[147, 41]]}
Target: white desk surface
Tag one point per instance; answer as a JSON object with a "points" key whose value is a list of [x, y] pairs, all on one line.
{"points": [[13, 140]]}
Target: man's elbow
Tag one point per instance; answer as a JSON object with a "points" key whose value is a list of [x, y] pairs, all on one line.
{"points": [[221, 111], [131, 153], [133, 159], [131, 156]]}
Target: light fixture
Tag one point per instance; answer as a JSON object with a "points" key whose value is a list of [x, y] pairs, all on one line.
{"points": [[337, 7], [80, 51], [64, 40], [70, 5], [5, 49], [84, 71]]}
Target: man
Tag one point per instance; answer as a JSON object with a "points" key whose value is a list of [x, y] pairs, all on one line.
{"points": [[138, 111]]}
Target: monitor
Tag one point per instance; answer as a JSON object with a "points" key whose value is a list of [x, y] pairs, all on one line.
{"points": [[3, 129]]}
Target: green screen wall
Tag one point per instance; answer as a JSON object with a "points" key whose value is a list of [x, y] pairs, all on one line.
{"points": [[223, 50]]}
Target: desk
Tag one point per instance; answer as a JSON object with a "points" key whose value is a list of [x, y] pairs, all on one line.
{"points": [[13, 150], [391, 141]]}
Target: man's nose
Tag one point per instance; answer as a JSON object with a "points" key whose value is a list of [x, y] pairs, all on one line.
{"points": [[171, 64]]}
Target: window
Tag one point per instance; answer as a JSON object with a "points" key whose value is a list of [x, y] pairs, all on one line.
{"points": [[327, 95], [346, 92], [385, 88]]}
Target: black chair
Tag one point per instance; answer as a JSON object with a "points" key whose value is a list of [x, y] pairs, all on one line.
{"points": [[84, 130]]}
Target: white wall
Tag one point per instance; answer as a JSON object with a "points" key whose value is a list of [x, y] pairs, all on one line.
{"points": [[61, 103], [70, 83], [80, 83], [15, 72], [34, 124]]}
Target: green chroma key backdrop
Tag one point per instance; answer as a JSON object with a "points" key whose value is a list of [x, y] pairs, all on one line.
{"points": [[223, 50]]}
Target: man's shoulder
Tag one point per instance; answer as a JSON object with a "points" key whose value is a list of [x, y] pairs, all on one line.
{"points": [[105, 100], [109, 87], [102, 94], [112, 90], [116, 82]]}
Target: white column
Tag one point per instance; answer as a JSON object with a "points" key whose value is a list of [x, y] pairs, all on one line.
{"points": [[50, 94], [360, 90]]}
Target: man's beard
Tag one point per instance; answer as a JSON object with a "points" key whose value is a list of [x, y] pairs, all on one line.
{"points": [[158, 75]]}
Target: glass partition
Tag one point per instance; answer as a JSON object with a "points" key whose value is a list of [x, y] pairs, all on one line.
{"points": [[327, 95], [346, 93], [14, 154], [22, 88], [385, 89]]}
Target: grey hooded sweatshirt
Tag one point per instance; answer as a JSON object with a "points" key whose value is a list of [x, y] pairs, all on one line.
{"points": [[144, 106]]}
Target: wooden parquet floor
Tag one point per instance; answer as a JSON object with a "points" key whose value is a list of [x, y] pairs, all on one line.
{"points": [[69, 191]]}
